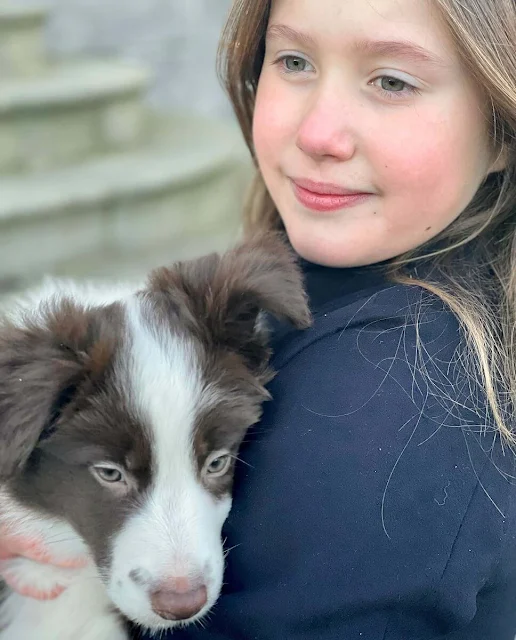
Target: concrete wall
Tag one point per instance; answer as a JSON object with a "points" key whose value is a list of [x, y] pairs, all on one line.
{"points": [[177, 39]]}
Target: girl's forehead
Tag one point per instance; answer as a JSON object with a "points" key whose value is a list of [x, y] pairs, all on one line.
{"points": [[334, 23]]}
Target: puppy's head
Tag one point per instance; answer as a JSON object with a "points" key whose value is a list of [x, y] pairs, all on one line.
{"points": [[124, 418]]}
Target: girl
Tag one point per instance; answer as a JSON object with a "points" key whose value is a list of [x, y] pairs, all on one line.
{"points": [[377, 499]]}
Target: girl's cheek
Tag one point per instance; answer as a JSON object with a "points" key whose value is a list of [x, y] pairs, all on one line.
{"points": [[421, 159], [440, 147], [274, 117]]}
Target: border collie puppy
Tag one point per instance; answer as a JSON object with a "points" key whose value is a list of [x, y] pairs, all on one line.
{"points": [[121, 414]]}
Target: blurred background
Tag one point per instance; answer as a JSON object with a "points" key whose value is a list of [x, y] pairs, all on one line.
{"points": [[118, 148]]}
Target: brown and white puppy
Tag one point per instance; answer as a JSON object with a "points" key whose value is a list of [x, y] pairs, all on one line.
{"points": [[121, 413]]}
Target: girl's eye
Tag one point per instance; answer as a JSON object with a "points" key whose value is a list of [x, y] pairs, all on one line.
{"points": [[294, 64], [218, 465], [392, 84], [394, 88], [109, 475]]}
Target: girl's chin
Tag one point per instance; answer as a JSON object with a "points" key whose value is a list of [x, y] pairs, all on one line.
{"points": [[327, 253], [327, 249]]}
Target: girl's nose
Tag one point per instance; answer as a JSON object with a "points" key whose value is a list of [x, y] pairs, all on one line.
{"points": [[327, 129]]}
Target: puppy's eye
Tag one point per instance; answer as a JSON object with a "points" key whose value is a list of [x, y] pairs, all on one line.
{"points": [[217, 464], [108, 474]]}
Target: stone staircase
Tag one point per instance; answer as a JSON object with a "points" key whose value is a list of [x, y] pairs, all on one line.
{"points": [[92, 182]]}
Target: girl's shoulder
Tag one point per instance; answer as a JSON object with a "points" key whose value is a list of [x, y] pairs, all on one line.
{"points": [[378, 316], [379, 442], [386, 366]]}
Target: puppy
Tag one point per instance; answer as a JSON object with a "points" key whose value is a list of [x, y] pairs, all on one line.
{"points": [[121, 414]]}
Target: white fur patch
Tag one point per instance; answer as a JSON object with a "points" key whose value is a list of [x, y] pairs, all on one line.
{"points": [[83, 612], [56, 535], [86, 294], [177, 532]]}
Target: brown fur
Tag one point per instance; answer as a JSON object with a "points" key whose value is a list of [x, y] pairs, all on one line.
{"points": [[221, 298], [59, 380]]}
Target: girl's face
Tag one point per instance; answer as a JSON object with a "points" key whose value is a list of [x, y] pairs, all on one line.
{"points": [[370, 135]]}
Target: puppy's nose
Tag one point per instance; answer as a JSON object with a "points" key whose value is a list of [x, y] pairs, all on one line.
{"points": [[178, 599]]}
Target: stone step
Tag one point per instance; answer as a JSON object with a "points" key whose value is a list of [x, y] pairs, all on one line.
{"points": [[190, 182], [116, 267], [21, 39], [71, 112], [135, 265]]}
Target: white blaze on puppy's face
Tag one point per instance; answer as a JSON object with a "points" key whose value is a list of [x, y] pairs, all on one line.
{"points": [[176, 532]]}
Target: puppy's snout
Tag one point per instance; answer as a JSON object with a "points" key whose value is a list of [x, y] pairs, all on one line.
{"points": [[178, 599]]}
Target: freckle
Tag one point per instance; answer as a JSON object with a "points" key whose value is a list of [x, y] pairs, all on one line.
{"points": [[374, 213]]}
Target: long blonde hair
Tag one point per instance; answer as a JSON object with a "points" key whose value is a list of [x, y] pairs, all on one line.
{"points": [[474, 259]]}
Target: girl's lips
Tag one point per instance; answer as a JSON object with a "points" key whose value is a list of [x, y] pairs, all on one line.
{"points": [[326, 201]]}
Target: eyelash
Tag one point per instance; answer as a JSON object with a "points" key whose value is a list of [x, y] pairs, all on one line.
{"points": [[409, 90]]}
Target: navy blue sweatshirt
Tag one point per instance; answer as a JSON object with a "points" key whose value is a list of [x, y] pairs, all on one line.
{"points": [[375, 502]]}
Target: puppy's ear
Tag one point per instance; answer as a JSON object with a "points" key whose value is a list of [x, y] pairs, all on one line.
{"points": [[230, 294], [43, 360]]}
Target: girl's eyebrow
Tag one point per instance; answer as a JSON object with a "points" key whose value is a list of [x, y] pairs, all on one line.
{"points": [[399, 49], [276, 31], [393, 48]]}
